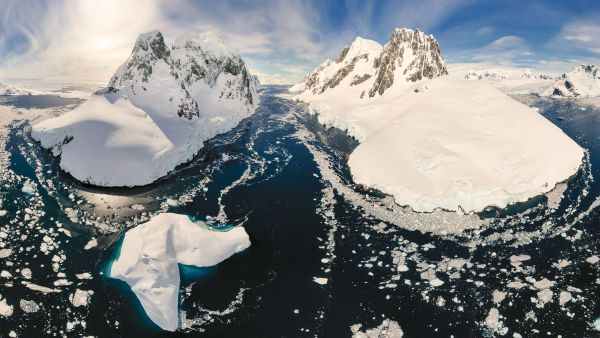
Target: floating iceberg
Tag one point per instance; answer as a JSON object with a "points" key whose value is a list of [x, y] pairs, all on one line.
{"points": [[150, 257]]}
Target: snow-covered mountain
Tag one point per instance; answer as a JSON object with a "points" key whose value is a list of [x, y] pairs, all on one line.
{"points": [[6, 90], [510, 80], [582, 81], [500, 74], [157, 110], [371, 69], [431, 140]]}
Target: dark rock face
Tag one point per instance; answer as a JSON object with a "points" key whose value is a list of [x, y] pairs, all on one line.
{"points": [[342, 55], [566, 85], [593, 70], [409, 56], [311, 80], [428, 61], [342, 73], [359, 79]]}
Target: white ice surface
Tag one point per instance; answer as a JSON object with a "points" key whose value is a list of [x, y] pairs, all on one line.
{"points": [[453, 144], [150, 255]]}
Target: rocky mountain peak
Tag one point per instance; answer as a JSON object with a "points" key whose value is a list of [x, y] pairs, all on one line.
{"points": [[152, 42], [591, 69], [196, 61], [410, 55]]}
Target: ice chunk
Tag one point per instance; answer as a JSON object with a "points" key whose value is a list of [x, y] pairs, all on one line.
{"points": [[592, 259], [80, 297], [5, 253], [151, 252], [387, 329], [5, 309], [320, 280], [28, 188], [91, 244], [29, 306]]}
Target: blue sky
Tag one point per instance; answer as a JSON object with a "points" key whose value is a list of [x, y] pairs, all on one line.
{"points": [[85, 40]]}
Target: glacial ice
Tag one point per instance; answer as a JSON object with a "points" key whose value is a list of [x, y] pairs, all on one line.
{"points": [[151, 253]]}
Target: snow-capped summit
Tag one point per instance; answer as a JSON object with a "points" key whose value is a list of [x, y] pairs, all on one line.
{"points": [[371, 69], [353, 66], [156, 112], [582, 81], [360, 46], [409, 56]]}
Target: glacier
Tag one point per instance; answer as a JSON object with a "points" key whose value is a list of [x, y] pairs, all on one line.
{"points": [[431, 140], [157, 111], [150, 255]]}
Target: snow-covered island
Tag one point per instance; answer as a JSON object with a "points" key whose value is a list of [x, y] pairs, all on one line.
{"points": [[157, 111], [151, 253], [582, 81], [431, 140]]}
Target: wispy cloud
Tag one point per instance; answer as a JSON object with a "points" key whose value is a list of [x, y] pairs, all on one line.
{"points": [[581, 34], [79, 40], [86, 40], [507, 50]]}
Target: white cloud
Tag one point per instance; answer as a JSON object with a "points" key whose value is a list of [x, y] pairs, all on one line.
{"points": [[581, 34], [507, 50], [73, 40], [86, 40]]}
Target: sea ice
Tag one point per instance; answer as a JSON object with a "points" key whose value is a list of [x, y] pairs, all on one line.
{"points": [[5, 309], [387, 329], [320, 280]]}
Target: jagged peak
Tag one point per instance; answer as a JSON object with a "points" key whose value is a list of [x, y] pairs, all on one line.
{"points": [[592, 69], [409, 35], [363, 46], [209, 41], [151, 41]]}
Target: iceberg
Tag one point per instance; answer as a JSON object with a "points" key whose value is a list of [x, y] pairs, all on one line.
{"points": [[151, 253]]}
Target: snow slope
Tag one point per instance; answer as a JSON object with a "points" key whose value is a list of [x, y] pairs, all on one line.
{"points": [[582, 81], [150, 254], [12, 90], [156, 112], [439, 141], [508, 80]]}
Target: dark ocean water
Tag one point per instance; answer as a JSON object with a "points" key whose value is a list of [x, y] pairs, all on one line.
{"points": [[37, 101], [263, 176]]}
